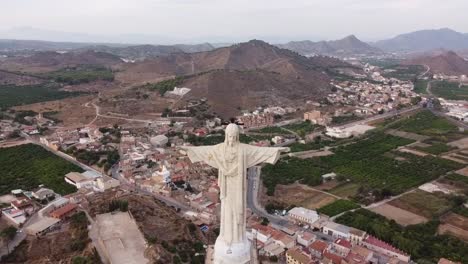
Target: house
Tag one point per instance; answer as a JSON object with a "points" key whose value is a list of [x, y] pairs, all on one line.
{"points": [[14, 216], [78, 180], [21, 203], [300, 214], [365, 253], [336, 230], [64, 212], [317, 248], [331, 258], [341, 247], [105, 182], [384, 248], [329, 176], [306, 238], [42, 193], [356, 236], [297, 256], [273, 249]]}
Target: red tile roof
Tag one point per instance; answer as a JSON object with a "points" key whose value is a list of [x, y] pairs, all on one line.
{"points": [[381, 244], [333, 257], [343, 242], [62, 211], [318, 245]]}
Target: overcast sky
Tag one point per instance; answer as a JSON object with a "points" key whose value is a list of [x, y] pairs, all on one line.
{"points": [[168, 21]]}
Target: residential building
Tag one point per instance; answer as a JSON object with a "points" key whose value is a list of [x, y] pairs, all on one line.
{"points": [[64, 212], [384, 248], [341, 247], [317, 248], [300, 214], [14, 216], [78, 180], [306, 238], [336, 230], [356, 236], [296, 256], [42, 193]]}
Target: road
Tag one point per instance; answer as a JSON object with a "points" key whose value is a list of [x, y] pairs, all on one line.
{"points": [[253, 177]]}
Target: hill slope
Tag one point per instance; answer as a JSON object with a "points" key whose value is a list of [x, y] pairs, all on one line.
{"points": [[448, 63], [424, 40], [251, 55], [346, 46], [228, 91]]}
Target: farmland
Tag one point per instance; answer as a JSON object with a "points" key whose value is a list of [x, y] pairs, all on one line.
{"points": [[449, 90], [302, 128], [11, 95], [28, 166], [428, 124], [337, 207], [80, 75], [436, 148], [423, 203], [417, 240], [357, 163]]}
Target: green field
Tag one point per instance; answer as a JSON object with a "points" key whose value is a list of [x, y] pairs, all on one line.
{"points": [[423, 203], [345, 119], [420, 86], [345, 190], [418, 240], [404, 72], [27, 166], [271, 130], [302, 128], [436, 148], [11, 95], [337, 207], [425, 123], [80, 75], [449, 90], [365, 164], [297, 147], [289, 170]]}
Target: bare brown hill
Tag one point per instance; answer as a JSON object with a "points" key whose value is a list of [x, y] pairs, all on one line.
{"points": [[251, 55], [228, 91], [49, 61], [447, 63]]}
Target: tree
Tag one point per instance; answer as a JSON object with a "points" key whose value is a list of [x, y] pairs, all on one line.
{"points": [[265, 221]]}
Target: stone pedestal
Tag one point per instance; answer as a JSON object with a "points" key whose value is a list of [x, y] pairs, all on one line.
{"points": [[237, 253]]}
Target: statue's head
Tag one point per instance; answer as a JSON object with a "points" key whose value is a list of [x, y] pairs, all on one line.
{"points": [[232, 135]]}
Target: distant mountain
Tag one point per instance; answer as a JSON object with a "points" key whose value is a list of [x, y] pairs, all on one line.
{"points": [[141, 52], [425, 40], [50, 60], [349, 45], [448, 63], [39, 45]]}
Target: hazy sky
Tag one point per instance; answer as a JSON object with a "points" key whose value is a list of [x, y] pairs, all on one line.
{"points": [[228, 20]]}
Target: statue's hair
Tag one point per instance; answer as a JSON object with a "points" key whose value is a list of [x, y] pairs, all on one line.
{"points": [[232, 129]]}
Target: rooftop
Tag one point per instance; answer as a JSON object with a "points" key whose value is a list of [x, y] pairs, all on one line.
{"points": [[42, 224], [303, 212], [381, 244], [318, 245], [76, 177], [60, 212]]}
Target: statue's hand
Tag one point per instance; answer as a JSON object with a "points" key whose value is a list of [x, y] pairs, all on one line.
{"points": [[285, 149]]}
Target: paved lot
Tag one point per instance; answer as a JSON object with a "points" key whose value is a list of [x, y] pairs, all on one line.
{"points": [[121, 238]]}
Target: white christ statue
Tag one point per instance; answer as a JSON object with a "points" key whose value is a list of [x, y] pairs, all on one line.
{"points": [[232, 159]]}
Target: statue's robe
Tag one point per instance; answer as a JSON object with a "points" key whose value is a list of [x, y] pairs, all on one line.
{"points": [[232, 181]]}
